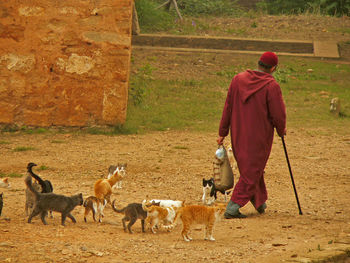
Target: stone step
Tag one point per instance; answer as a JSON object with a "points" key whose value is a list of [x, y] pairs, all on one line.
{"points": [[236, 45]]}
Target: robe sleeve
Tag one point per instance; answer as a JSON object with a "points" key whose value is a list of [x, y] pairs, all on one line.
{"points": [[277, 109], [227, 113]]}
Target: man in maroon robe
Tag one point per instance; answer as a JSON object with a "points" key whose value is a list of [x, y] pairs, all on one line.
{"points": [[254, 107]]}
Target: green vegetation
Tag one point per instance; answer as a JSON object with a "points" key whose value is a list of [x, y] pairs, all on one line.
{"points": [[178, 147], [23, 129], [43, 168], [209, 7], [324, 7], [23, 149], [196, 12], [2, 175], [151, 18], [308, 85], [57, 141]]}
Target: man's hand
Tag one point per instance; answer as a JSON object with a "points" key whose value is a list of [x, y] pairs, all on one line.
{"points": [[284, 133], [220, 140]]}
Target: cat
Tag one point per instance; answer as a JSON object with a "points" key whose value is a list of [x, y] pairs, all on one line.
{"points": [[122, 169], [209, 189], [199, 214], [335, 106], [165, 203], [132, 212], [103, 187], [157, 215], [231, 158], [46, 186], [54, 202], [30, 198], [96, 206], [1, 202], [4, 183]]}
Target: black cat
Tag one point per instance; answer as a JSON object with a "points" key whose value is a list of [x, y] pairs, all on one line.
{"points": [[46, 186], [209, 189]]}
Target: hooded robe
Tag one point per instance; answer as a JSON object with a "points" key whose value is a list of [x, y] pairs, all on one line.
{"points": [[254, 107]]}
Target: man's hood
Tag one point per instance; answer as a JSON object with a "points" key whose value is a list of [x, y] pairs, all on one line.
{"points": [[251, 81]]}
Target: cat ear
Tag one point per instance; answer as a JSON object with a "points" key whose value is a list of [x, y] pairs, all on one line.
{"points": [[5, 180]]}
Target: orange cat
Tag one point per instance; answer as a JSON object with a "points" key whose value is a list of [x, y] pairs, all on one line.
{"points": [[103, 187], [199, 214], [157, 215]]}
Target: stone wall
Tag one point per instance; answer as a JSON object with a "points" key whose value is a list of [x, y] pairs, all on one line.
{"points": [[64, 63]]}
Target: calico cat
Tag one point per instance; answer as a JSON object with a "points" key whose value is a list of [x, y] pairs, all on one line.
{"points": [[96, 206], [103, 187], [209, 189], [122, 169], [30, 198], [4, 183], [1, 202], [46, 186], [199, 214], [159, 215], [132, 212], [54, 202]]}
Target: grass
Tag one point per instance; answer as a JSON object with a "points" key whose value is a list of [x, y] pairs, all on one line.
{"points": [[23, 149], [43, 168], [307, 85], [57, 141], [13, 175]]}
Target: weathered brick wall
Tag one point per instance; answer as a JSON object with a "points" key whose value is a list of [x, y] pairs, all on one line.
{"points": [[64, 63]]}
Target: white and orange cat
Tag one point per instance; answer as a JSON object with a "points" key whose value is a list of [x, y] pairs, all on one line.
{"points": [[95, 205], [199, 214], [103, 187], [159, 216], [4, 183]]}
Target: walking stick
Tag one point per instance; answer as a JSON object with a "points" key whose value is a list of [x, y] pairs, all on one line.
{"points": [[291, 175]]}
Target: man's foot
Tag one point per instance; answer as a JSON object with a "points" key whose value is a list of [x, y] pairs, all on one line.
{"points": [[261, 209], [232, 211], [237, 215]]}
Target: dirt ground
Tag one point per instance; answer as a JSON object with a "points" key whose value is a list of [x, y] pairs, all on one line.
{"points": [[171, 165]]}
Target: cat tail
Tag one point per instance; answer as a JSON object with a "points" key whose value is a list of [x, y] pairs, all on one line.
{"points": [[28, 182], [117, 210], [36, 177]]}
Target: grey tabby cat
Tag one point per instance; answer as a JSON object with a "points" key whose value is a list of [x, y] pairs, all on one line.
{"points": [[50, 201], [30, 198]]}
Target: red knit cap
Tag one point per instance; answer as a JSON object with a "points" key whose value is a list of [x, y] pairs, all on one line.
{"points": [[269, 58]]}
